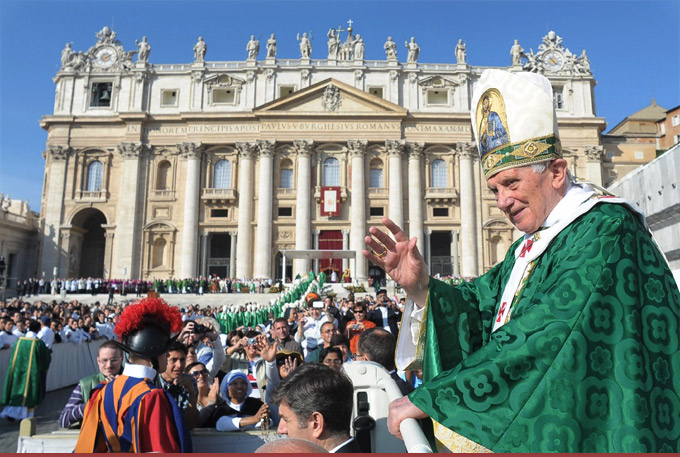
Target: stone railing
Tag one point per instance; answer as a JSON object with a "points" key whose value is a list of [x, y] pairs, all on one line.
{"points": [[91, 195], [214, 194], [162, 195], [441, 194]]}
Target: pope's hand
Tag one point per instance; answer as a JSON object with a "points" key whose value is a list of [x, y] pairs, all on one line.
{"points": [[401, 409], [400, 259]]}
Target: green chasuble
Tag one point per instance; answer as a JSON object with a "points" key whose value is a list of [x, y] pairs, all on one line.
{"points": [[24, 381], [588, 362]]}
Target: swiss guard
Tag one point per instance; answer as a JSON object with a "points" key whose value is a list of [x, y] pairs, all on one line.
{"points": [[131, 414]]}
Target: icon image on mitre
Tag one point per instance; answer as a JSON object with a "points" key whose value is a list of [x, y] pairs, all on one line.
{"points": [[492, 122]]}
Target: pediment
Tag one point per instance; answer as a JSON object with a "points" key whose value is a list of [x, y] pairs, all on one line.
{"points": [[333, 98], [438, 82]]}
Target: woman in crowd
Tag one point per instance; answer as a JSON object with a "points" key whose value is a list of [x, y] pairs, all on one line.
{"points": [[331, 357], [242, 411], [209, 400], [357, 326]]}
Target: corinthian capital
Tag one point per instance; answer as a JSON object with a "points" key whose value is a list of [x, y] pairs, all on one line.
{"points": [[415, 150], [246, 150], [130, 150], [594, 153], [357, 147], [467, 150], [303, 147], [57, 152], [188, 150], [395, 147], [266, 148]]}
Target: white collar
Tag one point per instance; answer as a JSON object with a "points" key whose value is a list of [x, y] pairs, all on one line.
{"points": [[335, 449], [139, 371]]}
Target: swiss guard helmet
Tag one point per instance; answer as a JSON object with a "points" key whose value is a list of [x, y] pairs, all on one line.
{"points": [[146, 328]]}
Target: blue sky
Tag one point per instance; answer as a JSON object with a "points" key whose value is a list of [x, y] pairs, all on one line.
{"points": [[633, 46]]}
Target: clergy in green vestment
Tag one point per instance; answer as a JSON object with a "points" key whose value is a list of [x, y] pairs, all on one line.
{"points": [[571, 343], [25, 379]]}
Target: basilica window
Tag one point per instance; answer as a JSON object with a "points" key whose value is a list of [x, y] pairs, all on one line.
{"points": [[95, 172], [222, 176], [169, 97], [158, 254], [377, 91], [331, 172], [558, 98], [286, 174], [439, 178], [376, 173], [100, 94], [438, 97], [163, 175], [286, 91], [224, 96]]}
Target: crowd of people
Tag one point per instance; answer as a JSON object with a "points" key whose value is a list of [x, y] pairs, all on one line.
{"points": [[220, 380], [139, 287]]}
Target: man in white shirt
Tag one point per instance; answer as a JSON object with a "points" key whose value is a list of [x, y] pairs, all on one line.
{"points": [[7, 338], [46, 334]]}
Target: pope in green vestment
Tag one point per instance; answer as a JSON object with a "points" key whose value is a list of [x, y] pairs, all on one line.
{"points": [[570, 344], [25, 378]]}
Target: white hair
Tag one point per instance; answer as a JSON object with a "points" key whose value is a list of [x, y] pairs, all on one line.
{"points": [[541, 167]]}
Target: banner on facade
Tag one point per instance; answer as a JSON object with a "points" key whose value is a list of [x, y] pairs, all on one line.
{"points": [[330, 201]]}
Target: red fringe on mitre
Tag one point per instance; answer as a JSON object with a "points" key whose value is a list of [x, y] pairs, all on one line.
{"points": [[154, 309]]}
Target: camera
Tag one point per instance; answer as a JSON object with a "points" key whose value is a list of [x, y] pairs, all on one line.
{"points": [[200, 329], [251, 341], [173, 389], [355, 327]]}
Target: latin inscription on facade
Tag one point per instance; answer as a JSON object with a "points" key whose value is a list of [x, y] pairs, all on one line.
{"points": [[436, 128]]}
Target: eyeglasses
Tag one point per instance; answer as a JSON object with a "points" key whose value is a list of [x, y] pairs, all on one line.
{"points": [[112, 360], [198, 373], [332, 361], [359, 357], [357, 311]]}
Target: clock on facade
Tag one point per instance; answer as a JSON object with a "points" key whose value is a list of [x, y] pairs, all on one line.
{"points": [[553, 60], [105, 56]]}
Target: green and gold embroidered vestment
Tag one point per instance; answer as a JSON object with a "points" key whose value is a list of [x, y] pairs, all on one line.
{"points": [[589, 361]]}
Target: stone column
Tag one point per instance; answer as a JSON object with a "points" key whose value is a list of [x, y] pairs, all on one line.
{"points": [[245, 210], [263, 259], [232, 254], [395, 151], [357, 231], [455, 267], [415, 194], [428, 249], [56, 157], [303, 204], [468, 226], [345, 246], [192, 154], [316, 234], [127, 249], [108, 250], [204, 254], [594, 155]]}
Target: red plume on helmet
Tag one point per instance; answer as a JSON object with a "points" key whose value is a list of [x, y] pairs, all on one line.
{"points": [[146, 326]]}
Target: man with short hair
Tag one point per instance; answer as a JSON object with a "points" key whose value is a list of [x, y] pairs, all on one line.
{"points": [[178, 384], [7, 337], [384, 314], [131, 414], [46, 334], [378, 345], [315, 403], [569, 344], [281, 334], [110, 363]]}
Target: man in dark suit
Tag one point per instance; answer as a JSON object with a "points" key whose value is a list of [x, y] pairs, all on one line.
{"points": [[385, 314], [315, 404], [378, 345]]}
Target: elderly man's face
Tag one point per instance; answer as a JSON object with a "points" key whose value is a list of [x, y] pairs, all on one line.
{"points": [[527, 198]]}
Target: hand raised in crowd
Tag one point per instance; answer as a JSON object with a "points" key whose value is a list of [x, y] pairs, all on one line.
{"points": [[267, 350], [400, 259], [289, 365], [214, 391]]}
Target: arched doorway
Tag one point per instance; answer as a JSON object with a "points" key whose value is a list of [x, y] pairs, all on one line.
{"points": [[86, 253]]}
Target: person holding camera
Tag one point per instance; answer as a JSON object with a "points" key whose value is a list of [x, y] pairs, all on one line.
{"points": [[357, 326], [385, 314], [180, 386], [202, 335]]}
